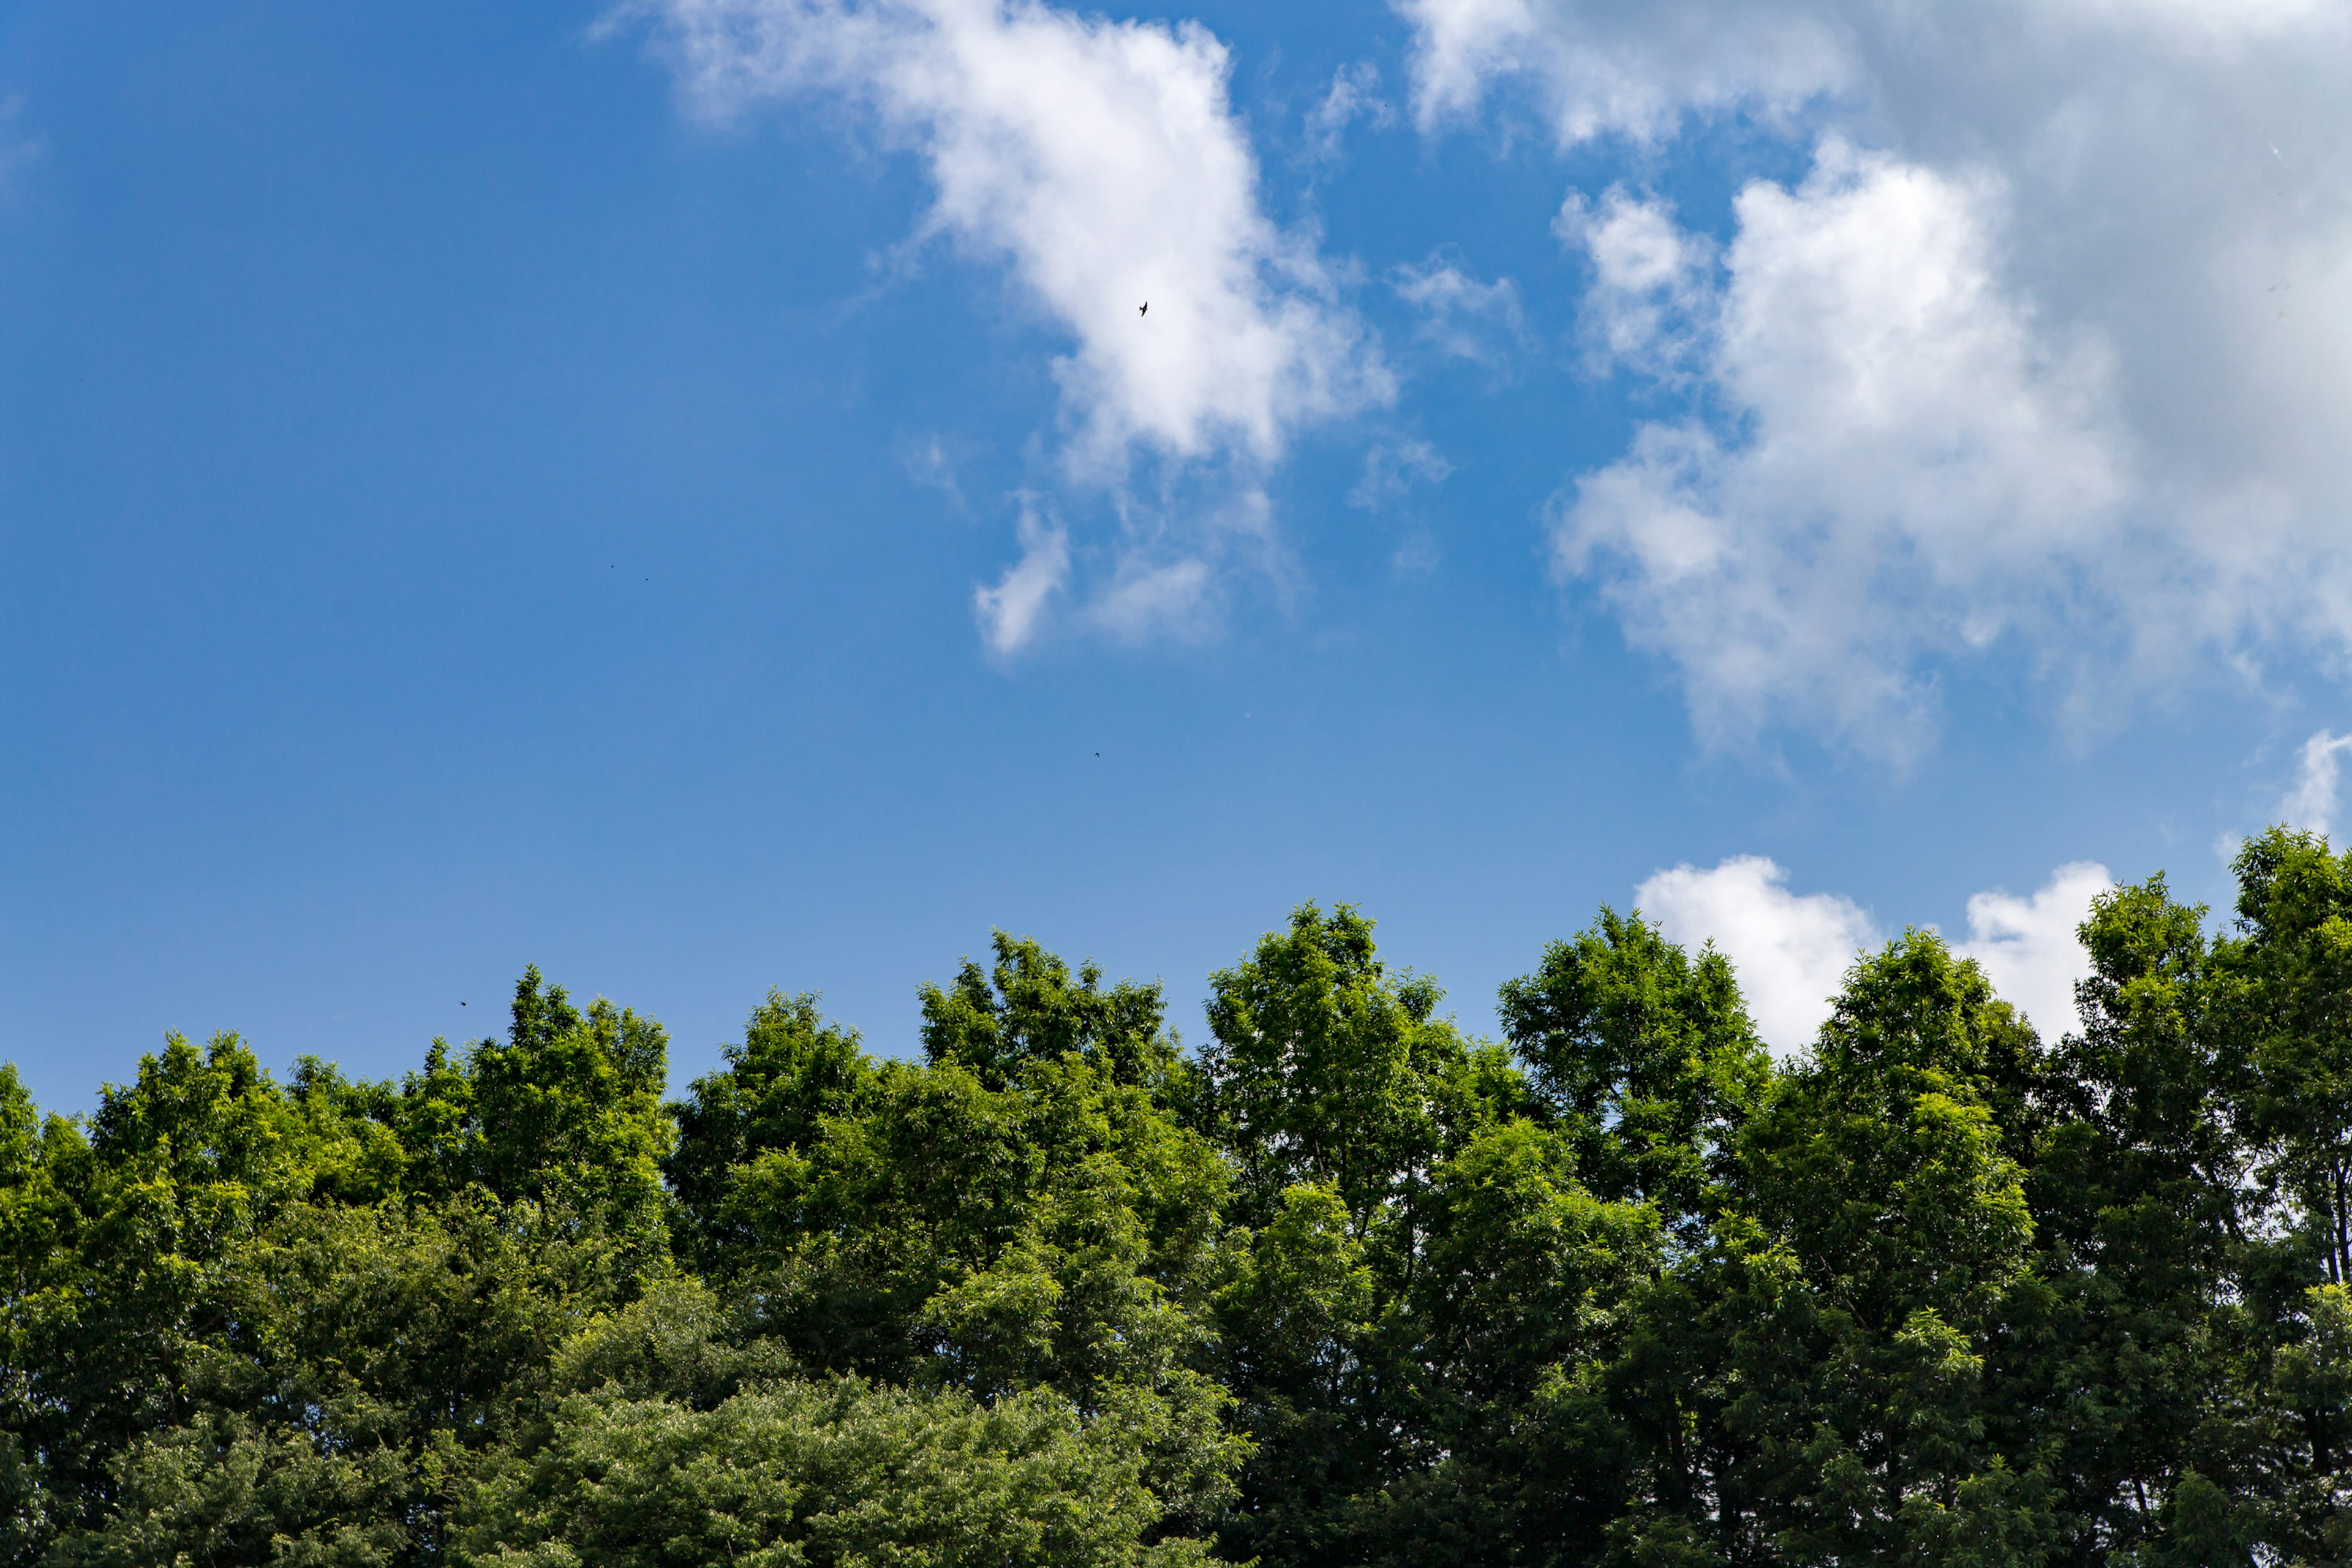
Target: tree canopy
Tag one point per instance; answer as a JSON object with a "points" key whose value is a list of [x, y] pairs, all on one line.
{"points": [[1343, 1286]]}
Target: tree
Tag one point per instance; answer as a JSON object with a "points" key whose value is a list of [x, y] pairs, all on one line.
{"points": [[569, 1111], [1025, 1010], [1037, 1221], [2137, 1190], [792, 1070], [2292, 972], [1325, 1069], [1881, 1169], [123, 1249], [1646, 1056]]}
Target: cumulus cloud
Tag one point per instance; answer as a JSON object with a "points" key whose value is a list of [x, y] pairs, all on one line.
{"points": [[1903, 435], [1792, 950], [1100, 162], [2077, 273], [2311, 804], [2028, 947]]}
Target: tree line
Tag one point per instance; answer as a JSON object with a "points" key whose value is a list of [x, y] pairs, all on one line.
{"points": [[1344, 1286]]}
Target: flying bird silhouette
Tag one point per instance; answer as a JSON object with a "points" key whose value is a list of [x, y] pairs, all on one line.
{"points": [[1144, 309]]}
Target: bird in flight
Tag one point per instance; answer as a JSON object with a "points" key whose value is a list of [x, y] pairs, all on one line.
{"points": [[1144, 309]]}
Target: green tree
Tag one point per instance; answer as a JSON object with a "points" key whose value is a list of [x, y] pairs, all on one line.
{"points": [[568, 1111], [1881, 1169], [42, 1162], [792, 1070], [1348, 1289], [123, 1247], [1428, 1288], [1516, 1315], [1025, 1010], [2139, 1191], [835, 1472], [1646, 1056], [1323, 1067], [1037, 1221]]}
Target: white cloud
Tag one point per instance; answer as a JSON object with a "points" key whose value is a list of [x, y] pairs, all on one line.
{"points": [[1791, 951], [1628, 67], [2028, 947], [1460, 316], [1650, 280], [1101, 162], [2056, 365], [1390, 470], [1012, 611], [1904, 436], [1174, 599], [2311, 804], [1354, 95]]}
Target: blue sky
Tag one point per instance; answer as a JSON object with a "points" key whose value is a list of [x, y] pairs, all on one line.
{"points": [[662, 495]]}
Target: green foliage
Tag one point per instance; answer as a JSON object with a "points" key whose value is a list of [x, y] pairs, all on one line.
{"points": [[2292, 980], [1880, 1162], [1325, 1069], [1348, 1288], [1025, 1010], [1645, 1054], [832, 1472], [568, 1110], [792, 1070], [2143, 1219], [1022, 1214]]}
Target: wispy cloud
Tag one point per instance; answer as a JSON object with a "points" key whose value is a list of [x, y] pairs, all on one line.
{"points": [[1100, 163], [1354, 95], [1012, 610], [1462, 316], [1176, 599], [2311, 804], [1391, 468], [932, 461]]}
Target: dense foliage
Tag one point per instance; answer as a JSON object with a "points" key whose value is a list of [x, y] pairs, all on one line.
{"points": [[1342, 1286]]}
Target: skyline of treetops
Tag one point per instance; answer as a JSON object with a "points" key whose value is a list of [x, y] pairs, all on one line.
{"points": [[1342, 1285]]}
